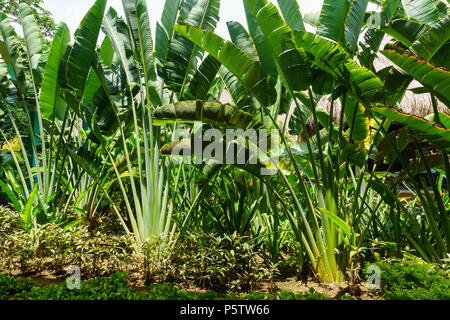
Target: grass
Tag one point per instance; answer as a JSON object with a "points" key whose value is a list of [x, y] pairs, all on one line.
{"points": [[116, 287], [408, 280]]}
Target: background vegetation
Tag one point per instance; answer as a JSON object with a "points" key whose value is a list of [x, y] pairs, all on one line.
{"points": [[88, 128]]}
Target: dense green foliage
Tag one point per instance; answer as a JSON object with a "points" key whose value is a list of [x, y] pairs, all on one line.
{"points": [[116, 288], [89, 131], [414, 281], [43, 16], [10, 286]]}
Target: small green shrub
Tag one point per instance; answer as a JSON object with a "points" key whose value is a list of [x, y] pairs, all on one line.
{"points": [[52, 248], [113, 288], [219, 263], [10, 286], [408, 280]]}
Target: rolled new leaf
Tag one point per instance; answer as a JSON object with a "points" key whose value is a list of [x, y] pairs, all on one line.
{"points": [[214, 113]]}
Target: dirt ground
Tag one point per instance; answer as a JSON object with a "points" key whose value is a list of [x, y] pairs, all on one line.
{"points": [[333, 290]]}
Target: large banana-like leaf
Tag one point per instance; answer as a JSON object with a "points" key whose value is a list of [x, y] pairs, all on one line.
{"points": [[129, 9], [443, 118], [332, 19], [249, 71], [4, 85], [292, 15], [264, 52], [235, 88], [332, 58], [354, 23], [147, 53], [436, 79], [396, 83], [182, 54], [223, 115], [424, 11], [370, 47], [164, 31], [357, 119], [49, 90], [434, 133], [116, 30], [406, 31], [442, 57], [93, 83], [204, 77], [240, 37], [36, 47], [14, 58], [342, 20], [432, 40], [293, 62], [80, 55]]}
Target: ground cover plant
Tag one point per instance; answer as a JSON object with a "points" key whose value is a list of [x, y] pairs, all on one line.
{"points": [[177, 156]]}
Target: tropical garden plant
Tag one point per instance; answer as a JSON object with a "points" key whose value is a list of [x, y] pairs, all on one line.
{"points": [[103, 116]]}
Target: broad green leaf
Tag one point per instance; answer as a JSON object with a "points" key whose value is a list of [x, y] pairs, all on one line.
{"points": [[36, 47], [182, 54], [164, 31], [147, 54], [431, 41], [332, 58], [406, 31], [337, 221], [292, 61], [443, 118], [292, 15], [354, 23], [395, 85], [332, 19], [117, 31], [312, 18], [265, 54], [93, 83], [26, 214], [14, 58], [435, 134], [235, 88], [129, 9], [436, 79], [240, 37], [442, 57], [357, 119], [11, 196], [373, 39], [49, 90], [424, 11], [204, 77], [80, 55], [250, 72]]}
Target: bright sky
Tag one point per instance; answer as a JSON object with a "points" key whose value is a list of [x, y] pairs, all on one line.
{"points": [[73, 11]]}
